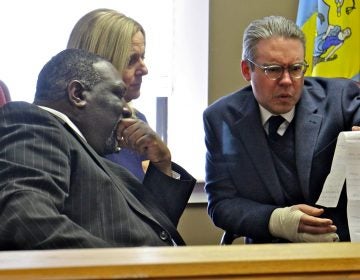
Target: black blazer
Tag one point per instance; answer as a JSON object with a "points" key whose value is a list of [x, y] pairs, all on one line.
{"points": [[241, 181], [56, 192]]}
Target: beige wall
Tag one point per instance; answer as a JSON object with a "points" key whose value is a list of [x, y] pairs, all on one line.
{"points": [[228, 19]]}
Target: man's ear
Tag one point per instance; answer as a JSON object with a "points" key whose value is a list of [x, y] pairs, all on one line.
{"points": [[76, 95], [245, 70]]}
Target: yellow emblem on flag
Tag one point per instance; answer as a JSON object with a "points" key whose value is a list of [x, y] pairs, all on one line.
{"points": [[332, 35]]}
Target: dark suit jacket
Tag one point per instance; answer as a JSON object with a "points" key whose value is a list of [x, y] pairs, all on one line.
{"points": [[241, 181], [56, 192]]}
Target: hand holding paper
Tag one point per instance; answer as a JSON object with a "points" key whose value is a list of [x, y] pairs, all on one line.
{"points": [[345, 166]]}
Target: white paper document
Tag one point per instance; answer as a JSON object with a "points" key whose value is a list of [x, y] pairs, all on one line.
{"points": [[345, 166]]}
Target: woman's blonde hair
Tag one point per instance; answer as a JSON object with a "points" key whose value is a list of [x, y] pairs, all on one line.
{"points": [[107, 33]]}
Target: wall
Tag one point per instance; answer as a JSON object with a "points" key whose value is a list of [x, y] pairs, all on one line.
{"points": [[176, 71], [228, 19]]}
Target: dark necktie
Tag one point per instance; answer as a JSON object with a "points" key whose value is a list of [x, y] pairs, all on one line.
{"points": [[274, 123]]}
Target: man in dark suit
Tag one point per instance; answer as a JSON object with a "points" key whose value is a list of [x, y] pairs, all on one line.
{"points": [[56, 189], [263, 179]]}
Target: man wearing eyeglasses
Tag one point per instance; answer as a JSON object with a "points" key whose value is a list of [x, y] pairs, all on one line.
{"points": [[270, 145]]}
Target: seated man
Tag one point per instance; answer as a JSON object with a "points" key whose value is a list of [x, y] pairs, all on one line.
{"points": [[270, 145], [56, 189]]}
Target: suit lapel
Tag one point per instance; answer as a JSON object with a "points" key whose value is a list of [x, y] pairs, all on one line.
{"points": [[133, 202], [248, 127], [307, 126], [130, 198]]}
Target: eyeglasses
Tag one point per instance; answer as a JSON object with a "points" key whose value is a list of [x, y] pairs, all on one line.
{"points": [[274, 72]]}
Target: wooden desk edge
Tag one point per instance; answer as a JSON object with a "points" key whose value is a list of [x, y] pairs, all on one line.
{"points": [[183, 262]]}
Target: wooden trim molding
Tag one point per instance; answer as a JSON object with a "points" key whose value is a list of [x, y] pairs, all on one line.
{"points": [[268, 261]]}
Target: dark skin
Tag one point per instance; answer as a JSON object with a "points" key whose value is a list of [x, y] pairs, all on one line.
{"points": [[137, 135], [103, 117]]}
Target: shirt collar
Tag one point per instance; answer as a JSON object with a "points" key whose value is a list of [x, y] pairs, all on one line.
{"points": [[265, 115], [64, 118]]}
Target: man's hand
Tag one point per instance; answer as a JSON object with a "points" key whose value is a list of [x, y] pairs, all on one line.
{"points": [[301, 223], [356, 128], [137, 135], [310, 223]]}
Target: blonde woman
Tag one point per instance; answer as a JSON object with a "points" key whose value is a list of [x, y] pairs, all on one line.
{"points": [[121, 40]]}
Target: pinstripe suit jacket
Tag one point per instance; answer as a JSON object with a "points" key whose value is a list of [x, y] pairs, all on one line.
{"points": [[241, 181], [56, 192]]}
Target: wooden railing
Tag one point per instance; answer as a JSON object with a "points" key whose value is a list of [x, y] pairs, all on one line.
{"points": [[280, 261]]}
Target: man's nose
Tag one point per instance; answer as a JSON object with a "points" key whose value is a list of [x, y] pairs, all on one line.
{"points": [[286, 76]]}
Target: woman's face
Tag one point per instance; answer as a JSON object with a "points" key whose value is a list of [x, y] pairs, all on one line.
{"points": [[132, 74]]}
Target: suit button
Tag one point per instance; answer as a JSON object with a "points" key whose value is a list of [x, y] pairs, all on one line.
{"points": [[163, 235]]}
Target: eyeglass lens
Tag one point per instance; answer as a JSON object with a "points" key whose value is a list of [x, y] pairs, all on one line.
{"points": [[276, 71]]}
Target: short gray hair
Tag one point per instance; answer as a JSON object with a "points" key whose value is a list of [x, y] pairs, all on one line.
{"points": [[269, 27]]}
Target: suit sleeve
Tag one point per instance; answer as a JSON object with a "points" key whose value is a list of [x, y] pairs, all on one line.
{"points": [[227, 208], [34, 184], [170, 194]]}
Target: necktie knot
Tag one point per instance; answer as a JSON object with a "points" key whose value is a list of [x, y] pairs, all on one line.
{"points": [[274, 123]]}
